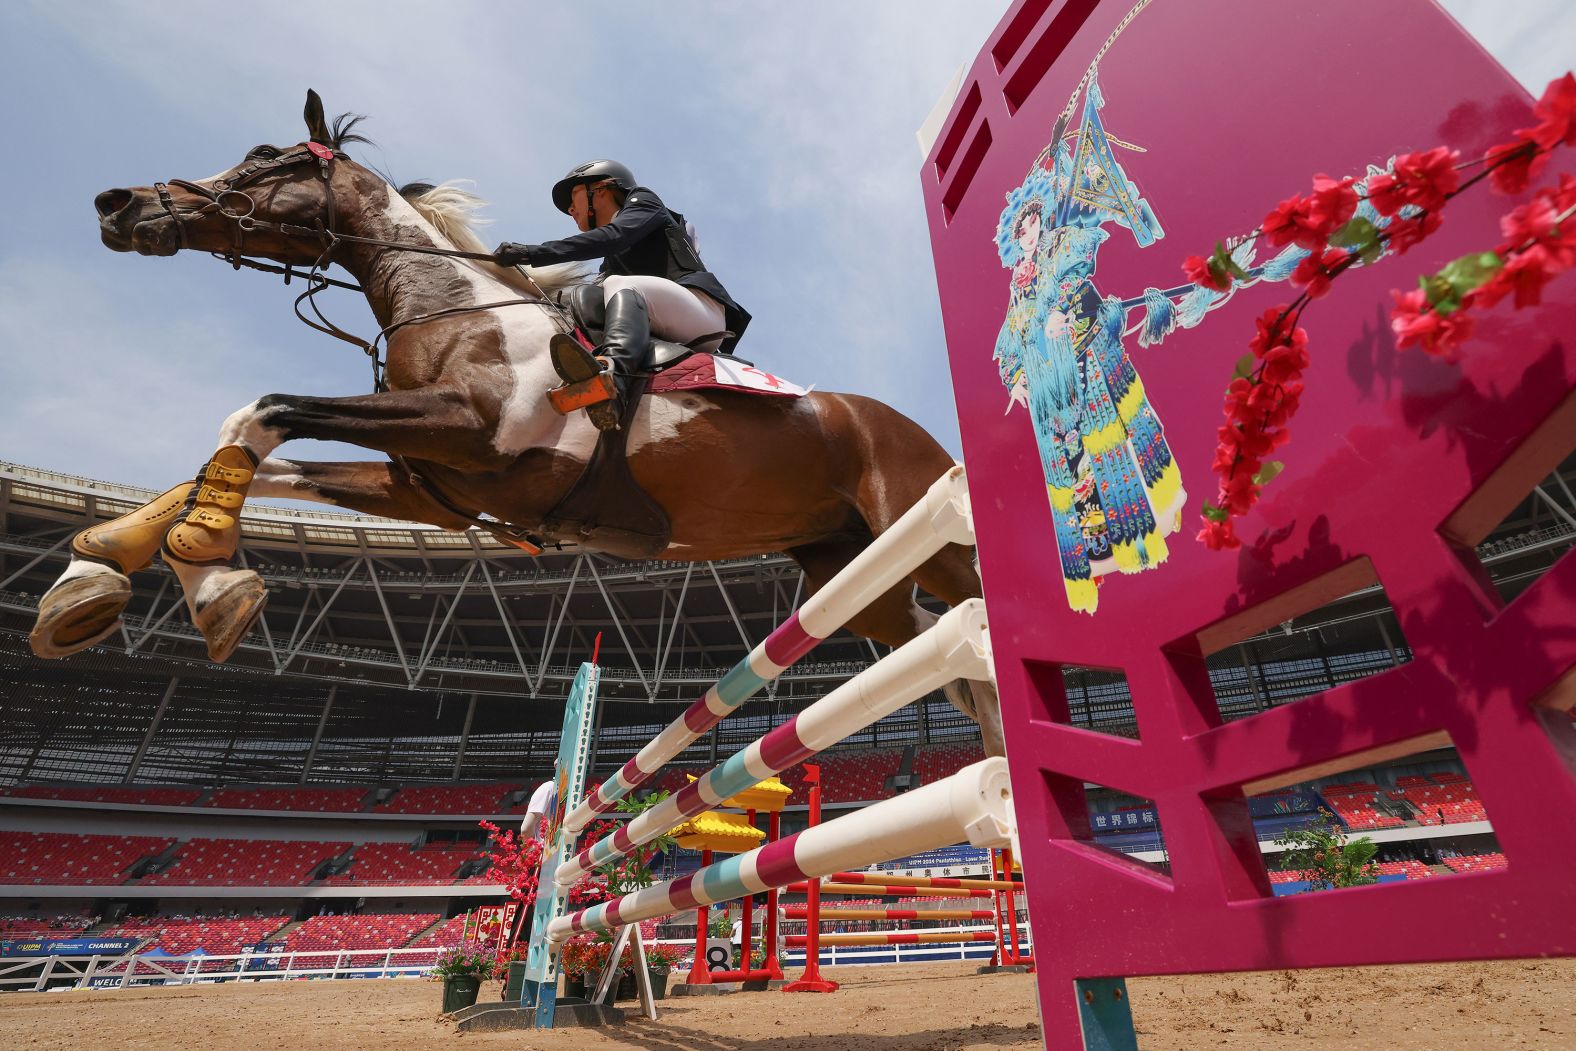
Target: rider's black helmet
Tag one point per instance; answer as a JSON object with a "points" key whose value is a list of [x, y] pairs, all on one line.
{"points": [[590, 172]]}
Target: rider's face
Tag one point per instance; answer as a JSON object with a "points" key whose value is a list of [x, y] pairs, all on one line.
{"points": [[577, 207], [581, 199]]}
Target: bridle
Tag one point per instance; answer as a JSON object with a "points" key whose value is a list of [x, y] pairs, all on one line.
{"points": [[227, 199]]}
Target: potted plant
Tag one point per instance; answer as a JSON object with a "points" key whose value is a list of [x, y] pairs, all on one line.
{"points": [[581, 961], [663, 960], [511, 971], [462, 971]]}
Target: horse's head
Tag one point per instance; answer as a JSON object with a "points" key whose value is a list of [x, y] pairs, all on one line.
{"points": [[274, 203]]}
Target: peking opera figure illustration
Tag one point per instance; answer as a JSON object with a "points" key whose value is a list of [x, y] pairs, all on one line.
{"points": [[1116, 492]]}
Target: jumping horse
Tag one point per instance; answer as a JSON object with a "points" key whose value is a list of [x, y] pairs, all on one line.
{"points": [[461, 412]]}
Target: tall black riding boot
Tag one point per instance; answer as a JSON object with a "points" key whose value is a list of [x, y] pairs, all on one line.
{"points": [[625, 348]]}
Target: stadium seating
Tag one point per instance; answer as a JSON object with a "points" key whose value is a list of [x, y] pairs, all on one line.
{"points": [[17, 928], [95, 794], [318, 800], [447, 933], [1354, 805], [1444, 802], [383, 864], [341, 933], [1475, 862], [1409, 869], [58, 857], [178, 935], [484, 800], [246, 862], [934, 762]]}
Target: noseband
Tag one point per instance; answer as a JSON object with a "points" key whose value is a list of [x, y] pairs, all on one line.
{"points": [[228, 199]]}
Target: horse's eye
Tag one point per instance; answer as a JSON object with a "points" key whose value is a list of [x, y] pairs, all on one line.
{"points": [[262, 153]]}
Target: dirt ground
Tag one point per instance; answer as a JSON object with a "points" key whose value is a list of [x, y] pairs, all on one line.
{"points": [[930, 1007]]}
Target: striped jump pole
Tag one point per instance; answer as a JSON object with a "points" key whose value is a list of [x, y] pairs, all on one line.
{"points": [[797, 941], [870, 890], [973, 805], [802, 912], [941, 518], [955, 647], [886, 879]]}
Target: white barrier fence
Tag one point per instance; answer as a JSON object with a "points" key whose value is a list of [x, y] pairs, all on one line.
{"points": [[99, 972], [118, 972]]}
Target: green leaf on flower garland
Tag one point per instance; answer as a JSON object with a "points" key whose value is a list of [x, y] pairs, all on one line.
{"points": [[1443, 298], [1221, 264], [1359, 236], [1268, 473], [1470, 271], [1213, 513], [1244, 367]]}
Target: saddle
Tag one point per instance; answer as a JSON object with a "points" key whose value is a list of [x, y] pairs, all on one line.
{"points": [[605, 507]]}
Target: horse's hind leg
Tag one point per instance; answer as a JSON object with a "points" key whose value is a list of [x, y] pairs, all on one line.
{"points": [[894, 463]]}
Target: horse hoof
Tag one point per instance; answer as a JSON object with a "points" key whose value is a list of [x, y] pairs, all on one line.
{"points": [[231, 604], [79, 612]]}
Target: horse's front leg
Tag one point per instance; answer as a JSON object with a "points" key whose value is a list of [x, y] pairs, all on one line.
{"points": [[435, 423], [197, 523]]}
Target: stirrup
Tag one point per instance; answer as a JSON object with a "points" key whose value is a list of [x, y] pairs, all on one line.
{"points": [[586, 394], [573, 362]]}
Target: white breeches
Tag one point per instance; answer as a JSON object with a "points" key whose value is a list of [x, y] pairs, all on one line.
{"points": [[677, 313]]}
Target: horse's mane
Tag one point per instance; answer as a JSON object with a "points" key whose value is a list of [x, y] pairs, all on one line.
{"points": [[452, 211]]}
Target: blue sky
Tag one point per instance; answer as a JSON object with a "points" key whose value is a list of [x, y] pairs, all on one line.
{"points": [[785, 131]]}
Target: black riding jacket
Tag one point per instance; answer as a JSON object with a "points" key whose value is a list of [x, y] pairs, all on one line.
{"points": [[647, 238]]}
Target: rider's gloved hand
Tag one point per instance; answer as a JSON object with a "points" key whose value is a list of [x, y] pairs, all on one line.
{"points": [[511, 254]]}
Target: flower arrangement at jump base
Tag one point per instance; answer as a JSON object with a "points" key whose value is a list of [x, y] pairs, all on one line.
{"points": [[1348, 222]]}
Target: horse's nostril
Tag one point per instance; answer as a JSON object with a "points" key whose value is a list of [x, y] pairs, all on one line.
{"points": [[111, 201]]}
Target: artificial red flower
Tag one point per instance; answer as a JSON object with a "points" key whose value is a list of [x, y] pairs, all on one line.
{"points": [[1424, 179], [1237, 492], [1292, 222], [1523, 274], [1275, 326], [1198, 271], [1219, 536], [1315, 272], [1283, 364], [1556, 113], [1536, 223], [1416, 323], [1515, 164], [1564, 194], [1331, 203], [1403, 233]]}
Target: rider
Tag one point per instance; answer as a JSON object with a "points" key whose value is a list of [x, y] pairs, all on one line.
{"points": [[652, 279]]}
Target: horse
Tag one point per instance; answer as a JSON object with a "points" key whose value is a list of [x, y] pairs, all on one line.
{"points": [[463, 417]]}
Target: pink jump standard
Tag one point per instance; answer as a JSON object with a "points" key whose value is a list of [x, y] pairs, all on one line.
{"points": [[1402, 464]]}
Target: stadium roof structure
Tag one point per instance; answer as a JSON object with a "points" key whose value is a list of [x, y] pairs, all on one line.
{"points": [[398, 652]]}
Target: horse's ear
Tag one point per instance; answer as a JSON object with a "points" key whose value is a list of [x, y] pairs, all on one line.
{"points": [[314, 119]]}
